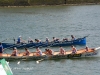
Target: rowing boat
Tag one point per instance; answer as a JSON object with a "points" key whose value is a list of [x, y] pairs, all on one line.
{"points": [[79, 41], [32, 56]]}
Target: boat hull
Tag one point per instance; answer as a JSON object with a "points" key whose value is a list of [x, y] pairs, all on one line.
{"points": [[79, 41], [32, 56]]}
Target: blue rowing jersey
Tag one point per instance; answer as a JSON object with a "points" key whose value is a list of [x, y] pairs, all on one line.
{"points": [[18, 40], [1, 48]]}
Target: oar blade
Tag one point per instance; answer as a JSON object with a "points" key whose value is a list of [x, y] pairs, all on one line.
{"points": [[37, 62], [18, 62]]}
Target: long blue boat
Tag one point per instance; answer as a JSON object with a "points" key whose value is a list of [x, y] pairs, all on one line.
{"points": [[79, 41]]}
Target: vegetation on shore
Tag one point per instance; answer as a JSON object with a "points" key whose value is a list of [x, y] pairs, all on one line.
{"points": [[43, 2]]}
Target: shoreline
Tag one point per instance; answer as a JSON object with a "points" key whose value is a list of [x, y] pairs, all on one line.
{"points": [[57, 5]]}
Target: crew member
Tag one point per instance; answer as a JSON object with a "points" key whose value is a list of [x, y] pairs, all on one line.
{"points": [[47, 40], [30, 40], [62, 51], [15, 52], [38, 52], [1, 48], [19, 40], [73, 38], [27, 52], [49, 52], [74, 50]]}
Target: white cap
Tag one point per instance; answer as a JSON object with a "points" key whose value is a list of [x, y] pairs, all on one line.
{"points": [[15, 48]]}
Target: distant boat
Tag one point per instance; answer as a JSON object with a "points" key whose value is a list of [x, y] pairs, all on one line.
{"points": [[56, 55], [79, 41]]}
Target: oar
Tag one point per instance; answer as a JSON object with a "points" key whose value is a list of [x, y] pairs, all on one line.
{"points": [[19, 60], [7, 39], [87, 35], [14, 40], [39, 61], [4, 40], [7, 55]]}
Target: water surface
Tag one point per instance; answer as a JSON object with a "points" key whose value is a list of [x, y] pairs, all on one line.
{"points": [[48, 21]]}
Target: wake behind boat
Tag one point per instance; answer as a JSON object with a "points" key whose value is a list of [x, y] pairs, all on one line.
{"points": [[56, 55], [79, 41]]}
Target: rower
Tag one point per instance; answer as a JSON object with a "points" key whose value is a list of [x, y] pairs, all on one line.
{"points": [[38, 52], [73, 38], [27, 52], [49, 52], [65, 39], [46, 51], [15, 52], [1, 48], [87, 49], [47, 40], [20, 40], [55, 39], [74, 50], [37, 40], [62, 51], [30, 40]]}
